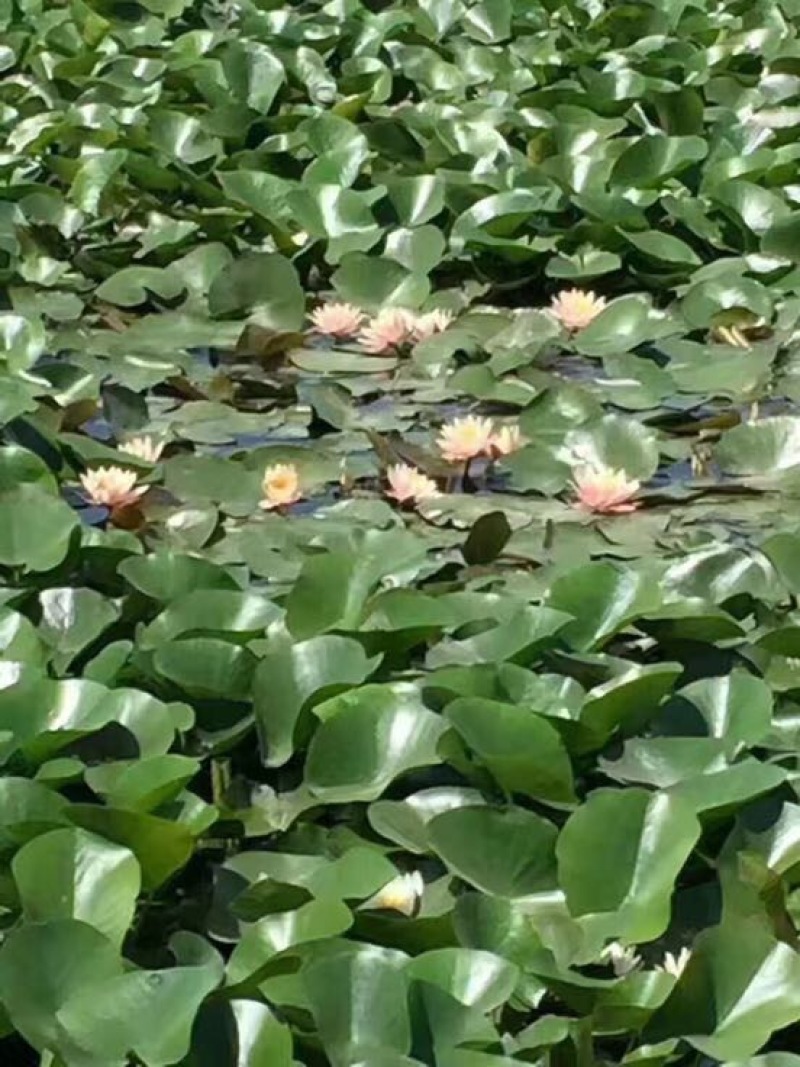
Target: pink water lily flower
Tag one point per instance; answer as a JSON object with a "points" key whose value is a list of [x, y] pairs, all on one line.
{"points": [[145, 448], [508, 439], [605, 491], [575, 309], [407, 485], [112, 487], [390, 330], [463, 439], [433, 322], [280, 486], [337, 320]]}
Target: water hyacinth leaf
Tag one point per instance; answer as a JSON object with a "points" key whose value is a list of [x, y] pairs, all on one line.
{"points": [[166, 575], [29, 809], [651, 160], [405, 822], [621, 327], [149, 1011], [523, 752], [358, 999], [206, 667], [73, 618], [266, 938], [781, 237], [291, 675], [35, 529], [625, 703], [367, 738], [508, 853], [705, 300], [264, 284], [416, 199], [767, 448], [262, 1040], [372, 283], [144, 784], [210, 610], [614, 442], [161, 847], [70, 874], [480, 980], [739, 987], [43, 965], [639, 841], [721, 792], [736, 708], [517, 638], [602, 598], [22, 341]]}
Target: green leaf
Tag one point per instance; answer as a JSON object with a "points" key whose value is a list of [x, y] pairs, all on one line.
{"points": [[736, 708], [69, 874], [35, 529], [261, 283], [622, 326], [160, 846], [150, 1012], [372, 283], [765, 448], [615, 442], [416, 199], [73, 618], [602, 598], [782, 238], [367, 738], [42, 966], [619, 855], [508, 853], [740, 986], [22, 341], [648, 161], [523, 751], [290, 677], [206, 667], [210, 611], [166, 575], [358, 998]]}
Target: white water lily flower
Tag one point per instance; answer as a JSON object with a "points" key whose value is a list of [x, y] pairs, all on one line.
{"points": [[623, 958], [675, 965], [146, 448], [402, 894]]}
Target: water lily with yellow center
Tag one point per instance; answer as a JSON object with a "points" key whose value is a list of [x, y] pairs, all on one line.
{"points": [[145, 448], [508, 439], [433, 322], [280, 486], [407, 485], [402, 894], [390, 330], [112, 487], [575, 309], [605, 490], [463, 439], [337, 320]]}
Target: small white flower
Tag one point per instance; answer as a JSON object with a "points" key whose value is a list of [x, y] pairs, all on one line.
{"points": [[675, 965], [400, 894], [623, 958]]}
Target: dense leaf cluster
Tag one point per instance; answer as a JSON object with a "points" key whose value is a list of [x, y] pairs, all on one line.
{"points": [[492, 782]]}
